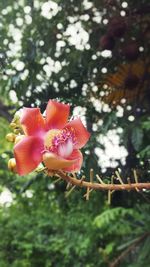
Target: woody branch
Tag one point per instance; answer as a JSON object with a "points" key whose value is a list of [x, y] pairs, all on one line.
{"points": [[101, 185]]}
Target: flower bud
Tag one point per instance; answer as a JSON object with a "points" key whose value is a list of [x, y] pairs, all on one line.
{"points": [[17, 130], [19, 138], [13, 125], [16, 117], [12, 165], [11, 137]]}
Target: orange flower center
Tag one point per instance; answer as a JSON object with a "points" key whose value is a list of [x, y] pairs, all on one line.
{"points": [[60, 142]]}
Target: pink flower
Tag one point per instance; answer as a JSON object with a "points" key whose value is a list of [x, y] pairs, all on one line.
{"points": [[51, 140]]}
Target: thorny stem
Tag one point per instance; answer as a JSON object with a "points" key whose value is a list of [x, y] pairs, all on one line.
{"points": [[102, 186]]}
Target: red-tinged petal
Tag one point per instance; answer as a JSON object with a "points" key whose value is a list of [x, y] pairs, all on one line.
{"points": [[32, 121], [81, 134], [28, 154], [56, 114], [54, 162], [78, 158]]}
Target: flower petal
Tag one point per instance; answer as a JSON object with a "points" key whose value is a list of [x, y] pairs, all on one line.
{"points": [[65, 149], [28, 154], [32, 121], [81, 133], [54, 162], [76, 166], [56, 114]]}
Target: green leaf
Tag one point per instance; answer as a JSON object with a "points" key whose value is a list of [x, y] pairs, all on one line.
{"points": [[111, 215], [137, 138], [145, 152], [146, 125]]}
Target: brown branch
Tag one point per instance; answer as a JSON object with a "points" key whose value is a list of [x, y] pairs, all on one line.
{"points": [[130, 248], [102, 186]]}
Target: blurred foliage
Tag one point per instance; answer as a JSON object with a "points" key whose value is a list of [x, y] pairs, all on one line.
{"points": [[64, 56]]}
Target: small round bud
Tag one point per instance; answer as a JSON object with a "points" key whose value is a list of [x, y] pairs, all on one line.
{"points": [[12, 165], [17, 130], [11, 137], [13, 125], [19, 138], [16, 117]]}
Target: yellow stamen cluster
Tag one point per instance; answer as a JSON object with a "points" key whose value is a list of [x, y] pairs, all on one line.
{"points": [[50, 136]]}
